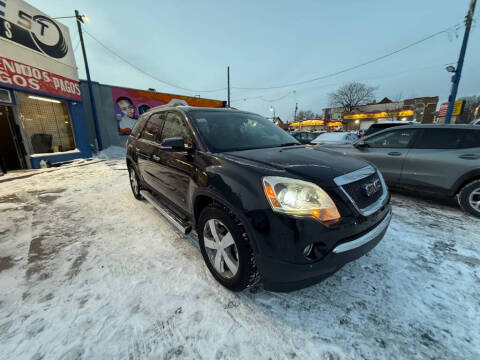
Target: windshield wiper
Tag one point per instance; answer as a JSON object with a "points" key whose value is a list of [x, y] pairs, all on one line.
{"points": [[289, 144]]}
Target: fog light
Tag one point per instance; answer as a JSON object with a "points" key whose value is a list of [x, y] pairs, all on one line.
{"points": [[308, 250]]}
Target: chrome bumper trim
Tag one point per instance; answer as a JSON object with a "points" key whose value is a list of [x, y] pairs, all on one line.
{"points": [[362, 240]]}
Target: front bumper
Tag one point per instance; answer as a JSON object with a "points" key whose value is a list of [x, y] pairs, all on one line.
{"points": [[284, 276]]}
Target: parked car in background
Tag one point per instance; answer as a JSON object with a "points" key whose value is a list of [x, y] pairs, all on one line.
{"points": [[382, 125], [439, 160], [304, 137], [331, 138], [262, 204], [476, 122]]}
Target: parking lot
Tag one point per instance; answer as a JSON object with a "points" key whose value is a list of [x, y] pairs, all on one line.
{"points": [[86, 271]]}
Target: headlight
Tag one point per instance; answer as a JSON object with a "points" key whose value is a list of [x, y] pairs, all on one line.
{"points": [[300, 198]]}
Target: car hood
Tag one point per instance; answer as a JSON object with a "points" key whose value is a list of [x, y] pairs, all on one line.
{"points": [[317, 165]]}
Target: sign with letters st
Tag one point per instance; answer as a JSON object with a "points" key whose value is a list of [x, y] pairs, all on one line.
{"points": [[36, 51]]}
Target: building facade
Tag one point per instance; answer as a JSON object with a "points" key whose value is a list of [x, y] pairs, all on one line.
{"points": [[416, 109], [41, 110], [118, 109]]}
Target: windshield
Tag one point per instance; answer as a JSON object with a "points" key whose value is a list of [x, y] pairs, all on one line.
{"points": [[230, 131], [332, 136]]}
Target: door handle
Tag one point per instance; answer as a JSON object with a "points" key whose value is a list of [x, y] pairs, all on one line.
{"points": [[156, 158], [394, 153], [469, 156]]}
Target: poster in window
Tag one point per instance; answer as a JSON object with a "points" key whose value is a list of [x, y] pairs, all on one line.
{"points": [[130, 104]]}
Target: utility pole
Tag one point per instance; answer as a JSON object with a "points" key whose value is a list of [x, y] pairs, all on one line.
{"points": [[295, 116], [79, 20], [228, 85], [458, 71]]}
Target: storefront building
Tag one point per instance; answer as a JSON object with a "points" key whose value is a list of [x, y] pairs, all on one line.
{"points": [[315, 125], [41, 110], [118, 108], [421, 109]]}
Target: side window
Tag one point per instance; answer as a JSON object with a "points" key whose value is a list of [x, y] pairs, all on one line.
{"points": [[395, 139], [175, 126], [471, 139], [153, 128], [440, 139]]}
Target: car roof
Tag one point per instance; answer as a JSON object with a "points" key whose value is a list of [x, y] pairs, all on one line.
{"points": [[441, 126], [393, 122], [192, 109]]}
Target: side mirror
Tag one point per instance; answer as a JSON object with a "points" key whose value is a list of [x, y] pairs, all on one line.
{"points": [[360, 144], [173, 144]]}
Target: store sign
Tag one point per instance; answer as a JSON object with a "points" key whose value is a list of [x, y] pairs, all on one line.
{"points": [[25, 76], [379, 115], [33, 43], [130, 104], [457, 108]]}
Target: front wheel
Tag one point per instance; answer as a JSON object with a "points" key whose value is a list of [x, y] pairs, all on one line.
{"points": [[226, 248], [469, 198], [134, 182]]}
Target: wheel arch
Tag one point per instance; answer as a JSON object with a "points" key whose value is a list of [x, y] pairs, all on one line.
{"points": [[205, 197], [464, 180]]}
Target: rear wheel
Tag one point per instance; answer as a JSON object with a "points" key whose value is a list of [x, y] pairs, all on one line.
{"points": [[226, 249], [469, 198], [134, 182]]}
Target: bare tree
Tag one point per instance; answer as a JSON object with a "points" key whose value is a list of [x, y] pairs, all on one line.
{"points": [[352, 95], [471, 103]]}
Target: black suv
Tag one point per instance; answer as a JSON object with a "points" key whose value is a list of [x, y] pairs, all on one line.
{"points": [[262, 204]]}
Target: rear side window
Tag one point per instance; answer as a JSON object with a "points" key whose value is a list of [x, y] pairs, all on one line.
{"points": [[471, 139], [153, 128], [139, 124], [440, 139]]}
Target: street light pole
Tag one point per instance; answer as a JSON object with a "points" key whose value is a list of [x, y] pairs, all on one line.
{"points": [[79, 21], [228, 85], [272, 109], [458, 71], [295, 116]]}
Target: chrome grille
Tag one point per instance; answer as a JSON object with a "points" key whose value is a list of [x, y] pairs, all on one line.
{"points": [[354, 185]]}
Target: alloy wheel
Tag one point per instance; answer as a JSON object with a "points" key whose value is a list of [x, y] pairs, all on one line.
{"points": [[134, 181], [474, 199], [221, 248]]}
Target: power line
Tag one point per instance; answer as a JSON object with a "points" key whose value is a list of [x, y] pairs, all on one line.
{"points": [[384, 76], [76, 46], [145, 72], [349, 68]]}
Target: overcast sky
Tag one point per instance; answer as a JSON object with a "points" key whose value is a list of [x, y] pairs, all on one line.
{"points": [[274, 42]]}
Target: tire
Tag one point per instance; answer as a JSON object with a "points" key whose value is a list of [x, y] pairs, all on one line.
{"points": [[228, 250], [134, 183], [469, 198]]}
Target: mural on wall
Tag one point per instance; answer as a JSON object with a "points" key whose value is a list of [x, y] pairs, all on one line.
{"points": [[130, 104]]}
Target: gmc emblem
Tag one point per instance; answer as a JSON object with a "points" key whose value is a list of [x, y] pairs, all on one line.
{"points": [[371, 188]]}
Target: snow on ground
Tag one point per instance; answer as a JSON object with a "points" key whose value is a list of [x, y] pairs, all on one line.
{"points": [[88, 272]]}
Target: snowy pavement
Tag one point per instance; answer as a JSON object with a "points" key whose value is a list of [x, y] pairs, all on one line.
{"points": [[88, 272]]}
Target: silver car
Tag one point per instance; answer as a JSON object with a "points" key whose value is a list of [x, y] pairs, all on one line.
{"points": [[439, 160], [340, 137]]}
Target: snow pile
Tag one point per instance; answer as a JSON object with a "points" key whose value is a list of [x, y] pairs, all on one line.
{"points": [[87, 271], [112, 152]]}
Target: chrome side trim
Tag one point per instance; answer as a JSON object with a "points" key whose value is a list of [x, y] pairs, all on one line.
{"points": [[362, 240], [184, 229], [359, 175]]}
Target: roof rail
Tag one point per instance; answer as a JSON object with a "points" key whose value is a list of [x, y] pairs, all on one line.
{"points": [[171, 103]]}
